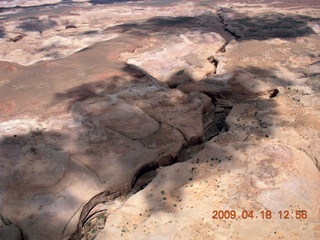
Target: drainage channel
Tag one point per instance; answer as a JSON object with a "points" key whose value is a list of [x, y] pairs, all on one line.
{"points": [[216, 126]]}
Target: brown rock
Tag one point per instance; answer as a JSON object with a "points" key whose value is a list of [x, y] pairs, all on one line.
{"points": [[82, 130], [273, 93]]}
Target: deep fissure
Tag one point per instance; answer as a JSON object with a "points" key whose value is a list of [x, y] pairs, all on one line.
{"points": [[225, 26], [214, 125], [148, 172]]}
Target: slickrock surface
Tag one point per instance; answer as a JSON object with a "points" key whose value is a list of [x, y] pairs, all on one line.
{"points": [[149, 120]]}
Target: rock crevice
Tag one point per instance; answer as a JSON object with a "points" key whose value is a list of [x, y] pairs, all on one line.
{"points": [[140, 117]]}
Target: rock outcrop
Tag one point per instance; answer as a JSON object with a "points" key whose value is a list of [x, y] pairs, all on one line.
{"points": [[184, 120]]}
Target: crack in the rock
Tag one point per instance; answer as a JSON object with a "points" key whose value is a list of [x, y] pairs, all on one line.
{"points": [[147, 172], [216, 126], [102, 197], [214, 61], [225, 26], [232, 33], [317, 163]]}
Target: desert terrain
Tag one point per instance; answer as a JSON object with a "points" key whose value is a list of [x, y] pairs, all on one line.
{"points": [[158, 120]]}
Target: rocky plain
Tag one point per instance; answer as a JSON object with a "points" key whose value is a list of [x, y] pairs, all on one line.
{"points": [[160, 120]]}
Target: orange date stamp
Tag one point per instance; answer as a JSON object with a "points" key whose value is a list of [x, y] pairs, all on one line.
{"points": [[264, 214]]}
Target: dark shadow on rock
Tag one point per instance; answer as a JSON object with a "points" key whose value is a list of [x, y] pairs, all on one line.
{"points": [[41, 160], [2, 32], [259, 72], [92, 90], [148, 3], [103, 91], [266, 26], [227, 87], [107, 1], [36, 163], [166, 25], [238, 26], [98, 92], [81, 93], [155, 25], [35, 24]]}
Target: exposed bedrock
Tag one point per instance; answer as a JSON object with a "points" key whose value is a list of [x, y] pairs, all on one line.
{"points": [[108, 132], [147, 119]]}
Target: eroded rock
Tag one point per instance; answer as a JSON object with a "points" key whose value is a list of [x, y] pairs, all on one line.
{"points": [[181, 195], [183, 59], [150, 86]]}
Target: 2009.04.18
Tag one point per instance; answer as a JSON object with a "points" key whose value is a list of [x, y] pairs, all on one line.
{"points": [[264, 214]]}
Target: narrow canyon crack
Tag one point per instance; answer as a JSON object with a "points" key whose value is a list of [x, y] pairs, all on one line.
{"points": [[225, 25], [95, 212]]}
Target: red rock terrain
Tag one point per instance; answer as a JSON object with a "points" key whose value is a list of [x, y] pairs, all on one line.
{"points": [[180, 120]]}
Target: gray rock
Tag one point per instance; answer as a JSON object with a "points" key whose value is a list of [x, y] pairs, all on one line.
{"points": [[8, 230]]}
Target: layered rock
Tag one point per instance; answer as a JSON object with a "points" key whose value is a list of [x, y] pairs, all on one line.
{"points": [[186, 58], [265, 162], [87, 136], [180, 202]]}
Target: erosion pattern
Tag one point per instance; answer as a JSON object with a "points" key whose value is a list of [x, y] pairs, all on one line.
{"points": [[140, 122]]}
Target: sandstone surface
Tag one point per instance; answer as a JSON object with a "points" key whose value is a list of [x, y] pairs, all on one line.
{"points": [[146, 120]]}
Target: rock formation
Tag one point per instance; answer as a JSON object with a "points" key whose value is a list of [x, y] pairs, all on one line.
{"points": [[141, 120]]}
